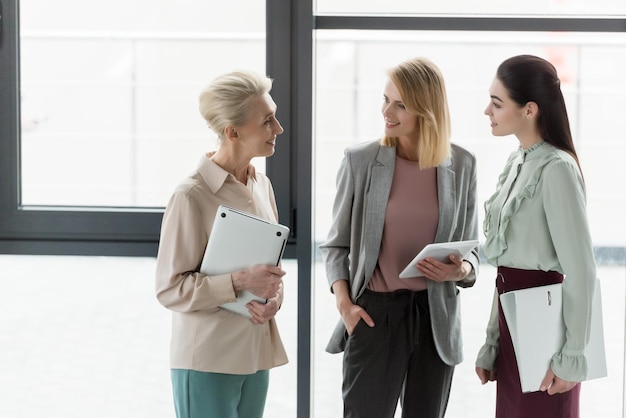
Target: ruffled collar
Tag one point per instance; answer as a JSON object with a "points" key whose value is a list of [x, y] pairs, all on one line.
{"points": [[526, 152], [495, 229]]}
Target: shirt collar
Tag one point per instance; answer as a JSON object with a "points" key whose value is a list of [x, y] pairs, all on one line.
{"points": [[215, 176]]}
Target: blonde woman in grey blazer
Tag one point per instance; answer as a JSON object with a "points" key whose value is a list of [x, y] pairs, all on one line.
{"points": [[401, 337]]}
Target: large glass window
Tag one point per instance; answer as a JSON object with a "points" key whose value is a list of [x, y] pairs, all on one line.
{"points": [[349, 78], [101, 119], [99, 122], [109, 94]]}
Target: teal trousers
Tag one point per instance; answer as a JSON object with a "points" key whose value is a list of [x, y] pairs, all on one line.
{"points": [[216, 395]]}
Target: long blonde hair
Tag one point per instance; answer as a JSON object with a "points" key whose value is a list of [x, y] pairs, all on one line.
{"points": [[423, 93]]}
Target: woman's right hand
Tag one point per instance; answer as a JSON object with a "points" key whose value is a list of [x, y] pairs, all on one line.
{"points": [[350, 313], [485, 375], [263, 280], [351, 316]]}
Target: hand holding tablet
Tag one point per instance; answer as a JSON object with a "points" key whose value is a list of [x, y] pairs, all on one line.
{"points": [[439, 251]]}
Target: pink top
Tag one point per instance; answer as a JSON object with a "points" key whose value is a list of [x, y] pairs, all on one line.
{"points": [[411, 222]]}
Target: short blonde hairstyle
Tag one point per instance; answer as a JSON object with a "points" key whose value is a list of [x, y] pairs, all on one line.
{"points": [[225, 101], [423, 93]]}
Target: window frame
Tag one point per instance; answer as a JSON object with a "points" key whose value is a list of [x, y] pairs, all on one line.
{"points": [[110, 231], [56, 230]]}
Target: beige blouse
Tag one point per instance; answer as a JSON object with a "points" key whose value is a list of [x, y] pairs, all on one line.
{"points": [[204, 336]]}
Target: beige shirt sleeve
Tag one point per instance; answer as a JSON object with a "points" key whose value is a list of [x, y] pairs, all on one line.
{"points": [[179, 285]]}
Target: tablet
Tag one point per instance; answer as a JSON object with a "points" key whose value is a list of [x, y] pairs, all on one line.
{"points": [[439, 251], [240, 240]]}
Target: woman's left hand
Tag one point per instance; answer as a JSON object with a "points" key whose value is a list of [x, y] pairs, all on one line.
{"points": [[263, 312], [554, 384], [435, 270]]}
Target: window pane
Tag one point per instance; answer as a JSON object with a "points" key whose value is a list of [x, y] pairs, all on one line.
{"points": [[116, 101], [532, 7], [350, 74]]}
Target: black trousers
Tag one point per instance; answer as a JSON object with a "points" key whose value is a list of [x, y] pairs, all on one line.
{"points": [[395, 359]]}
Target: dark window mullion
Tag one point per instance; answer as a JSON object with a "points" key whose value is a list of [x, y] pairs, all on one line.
{"points": [[290, 63], [478, 23]]}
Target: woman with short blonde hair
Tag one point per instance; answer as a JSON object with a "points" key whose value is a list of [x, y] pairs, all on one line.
{"points": [[220, 360], [225, 101]]}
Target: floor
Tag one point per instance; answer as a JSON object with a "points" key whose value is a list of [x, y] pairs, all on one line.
{"points": [[85, 337]]}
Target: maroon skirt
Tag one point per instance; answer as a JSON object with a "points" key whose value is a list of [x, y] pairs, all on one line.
{"points": [[510, 401]]}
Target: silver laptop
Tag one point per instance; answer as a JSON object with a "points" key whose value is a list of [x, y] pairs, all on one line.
{"points": [[240, 240]]}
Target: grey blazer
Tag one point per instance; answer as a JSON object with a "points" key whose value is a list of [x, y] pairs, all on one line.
{"points": [[351, 250]]}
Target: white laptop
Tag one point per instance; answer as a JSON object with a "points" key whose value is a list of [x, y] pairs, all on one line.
{"points": [[240, 240]]}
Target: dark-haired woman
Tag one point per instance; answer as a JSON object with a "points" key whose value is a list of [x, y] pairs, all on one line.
{"points": [[536, 234]]}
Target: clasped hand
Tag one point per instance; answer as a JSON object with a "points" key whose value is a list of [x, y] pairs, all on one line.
{"points": [[263, 312], [266, 282], [263, 280]]}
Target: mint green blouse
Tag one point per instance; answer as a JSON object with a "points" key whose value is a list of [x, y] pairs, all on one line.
{"points": [[536, 220]]}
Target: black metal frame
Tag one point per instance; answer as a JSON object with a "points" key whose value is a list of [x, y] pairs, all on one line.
{"points": [[290, 64], [55, 230], [473, 23]]}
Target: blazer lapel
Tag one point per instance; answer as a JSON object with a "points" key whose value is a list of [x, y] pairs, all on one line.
{"points": [[446, 189], [380, 179]]}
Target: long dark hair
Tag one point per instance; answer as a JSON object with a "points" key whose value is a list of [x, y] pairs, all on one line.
{"points": [[528, 78]]}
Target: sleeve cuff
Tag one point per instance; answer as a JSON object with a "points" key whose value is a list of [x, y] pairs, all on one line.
{"points": [[222, 286], [487, 356], [570, 366]]}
